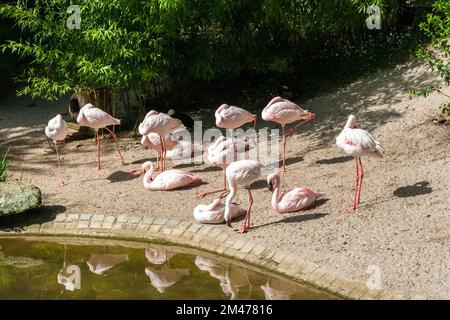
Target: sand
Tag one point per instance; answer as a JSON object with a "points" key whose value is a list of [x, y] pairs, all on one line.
{"points": [[402, 226]]}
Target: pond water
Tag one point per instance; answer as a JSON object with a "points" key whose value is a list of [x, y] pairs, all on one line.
{"points": [[53, 268]]}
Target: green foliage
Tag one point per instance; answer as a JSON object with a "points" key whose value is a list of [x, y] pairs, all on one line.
{"points": [[446, 109], [437, 29], [150, 46], [4, 162]]}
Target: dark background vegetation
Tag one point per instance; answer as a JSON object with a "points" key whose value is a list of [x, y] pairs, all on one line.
{"points": [[189, 54]]}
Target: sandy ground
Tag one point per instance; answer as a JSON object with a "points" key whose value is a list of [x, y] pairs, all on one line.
{"points": [[402, 226]]}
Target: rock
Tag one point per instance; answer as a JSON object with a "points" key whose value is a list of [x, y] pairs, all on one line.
{"points": [[18, 197]]}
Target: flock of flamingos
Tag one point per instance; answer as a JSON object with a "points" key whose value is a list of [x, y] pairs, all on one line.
{"points": [[157, 129]]}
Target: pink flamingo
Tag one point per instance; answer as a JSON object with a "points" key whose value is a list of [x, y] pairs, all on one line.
{"points": [[56, 130], [243, 172], [213, 213], [283, 111], [95, 118], [169, 179], [358, 143], [231, 117], [221, 153], [153, 141], [293, 200], [162, 124]]}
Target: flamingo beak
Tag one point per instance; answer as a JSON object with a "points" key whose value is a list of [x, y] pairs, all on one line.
{"points": [[270, 186]]}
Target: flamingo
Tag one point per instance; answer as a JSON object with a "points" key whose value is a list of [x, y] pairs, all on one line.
{"points": [[153, 141], [162, 124], [221, 153], [243, 172], [358, 143], [95, 118], [169, 179], [232, 117], [293, 200], [56, 130], [283, 111], [214, 212]]}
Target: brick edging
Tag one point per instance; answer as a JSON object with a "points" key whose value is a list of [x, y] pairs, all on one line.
{"points": [[215, 239]]}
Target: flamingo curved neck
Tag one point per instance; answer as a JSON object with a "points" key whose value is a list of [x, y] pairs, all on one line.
{"points": [[148, 177], [276, 195]]}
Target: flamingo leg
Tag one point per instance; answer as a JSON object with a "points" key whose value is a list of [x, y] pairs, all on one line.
{"points": [[163, 154], [224, 190], [59, 165], [291, 131], [355, 197], [117, 144], [97, 138], [158, 161], [246, 226], [284, 149], [361, 176]]}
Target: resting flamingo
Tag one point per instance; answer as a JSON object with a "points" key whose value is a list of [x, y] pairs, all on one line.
{"points": [[222, 152], [96, 118], [283, 111], [232, 117], [293, 200], [243, 172], [56, 130], [358, 143], [162, 124], [213, 213], [169, 179]]}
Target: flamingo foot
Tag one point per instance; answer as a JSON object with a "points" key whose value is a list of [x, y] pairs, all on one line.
{"points": [[282, 171], [243, 229], [229, 224], [201, 195], [61, 183], [351, 209]]}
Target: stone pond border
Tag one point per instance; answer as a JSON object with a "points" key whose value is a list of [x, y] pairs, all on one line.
{"points": [[214, 239]]}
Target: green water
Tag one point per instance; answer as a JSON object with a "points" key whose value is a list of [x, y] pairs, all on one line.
{"points": [[89, 269]]}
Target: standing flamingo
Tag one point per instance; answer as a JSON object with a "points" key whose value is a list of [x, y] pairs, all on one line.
{"points": [[153, 141], [56, 130], [293, 200], [162, 124], [358, 143], [213, 213], [222, 152], [283, 111], [96, 118], [169, 179], [231, 117], [243, 172]]}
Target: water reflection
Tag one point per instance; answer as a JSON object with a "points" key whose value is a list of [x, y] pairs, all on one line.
{"points": [[100, 263], [234, 281], [69, 275], [165, 277], [277, 289], [158, 255], [172, 274]]}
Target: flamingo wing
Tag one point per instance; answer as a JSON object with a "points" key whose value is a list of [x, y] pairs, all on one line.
{"points": [[297, 199]]}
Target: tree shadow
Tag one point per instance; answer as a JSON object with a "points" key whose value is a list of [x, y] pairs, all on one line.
{"points": [[121, 176], [36, 216], [335, 160], [417, 189]]}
